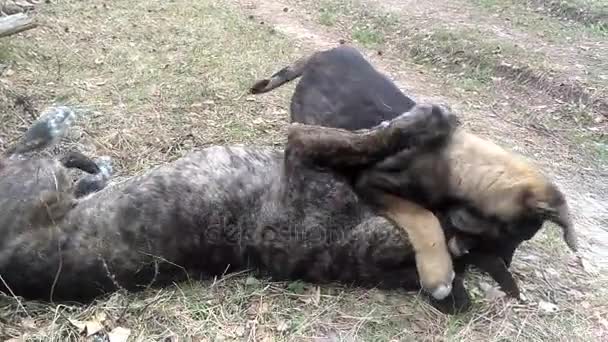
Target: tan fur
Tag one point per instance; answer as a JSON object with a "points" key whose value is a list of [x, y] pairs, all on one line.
{"points": [[433, 261], [501, 178], [503, 184]]}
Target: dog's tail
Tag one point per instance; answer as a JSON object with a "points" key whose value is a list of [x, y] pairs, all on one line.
{"points": [[281, 77]]}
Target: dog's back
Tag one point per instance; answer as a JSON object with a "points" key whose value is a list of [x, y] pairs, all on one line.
{"points": [[339, 88]]}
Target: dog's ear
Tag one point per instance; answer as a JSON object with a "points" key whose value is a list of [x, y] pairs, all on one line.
{"points": [[549, 203]]}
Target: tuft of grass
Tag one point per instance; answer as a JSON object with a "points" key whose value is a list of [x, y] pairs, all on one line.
{"points": [[367, 36], [5, 54], [327, 14], [592, 13]]}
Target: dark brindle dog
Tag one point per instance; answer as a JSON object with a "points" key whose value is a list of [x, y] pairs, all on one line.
{"points": [[489, 201], [215, 210]]}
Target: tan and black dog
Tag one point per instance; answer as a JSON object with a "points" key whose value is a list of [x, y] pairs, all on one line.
{"points": [[495, 195]]}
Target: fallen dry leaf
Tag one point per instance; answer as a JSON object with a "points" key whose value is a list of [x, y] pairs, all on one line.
{"points": [[28, 323], [87, 328], [119, 334], [251, 281], [491, 293], [239, 331]]}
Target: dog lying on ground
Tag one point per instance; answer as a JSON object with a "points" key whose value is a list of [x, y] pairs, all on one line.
{"points": [[493, 199], [213, 211]]}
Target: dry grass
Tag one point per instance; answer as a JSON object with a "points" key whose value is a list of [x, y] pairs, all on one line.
{"points": [[157, 78]]}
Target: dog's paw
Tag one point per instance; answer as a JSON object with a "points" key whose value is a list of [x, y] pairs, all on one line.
{"points": [[443, 289], [51, 126], [436, 273], [458, 301], [96, 182]]}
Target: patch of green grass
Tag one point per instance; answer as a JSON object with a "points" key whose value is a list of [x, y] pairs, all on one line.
{"points": [[602, 151], [5, 53], [596, 144], [327, 14], [587, 12], [367, 36], [327, 18], [463, 53], [487, 3]]}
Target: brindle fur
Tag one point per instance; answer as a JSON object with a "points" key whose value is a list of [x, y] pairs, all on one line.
{"points": [[212, 211]]}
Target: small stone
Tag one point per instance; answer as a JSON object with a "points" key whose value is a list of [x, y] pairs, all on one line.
{"points": [[547, 307]]}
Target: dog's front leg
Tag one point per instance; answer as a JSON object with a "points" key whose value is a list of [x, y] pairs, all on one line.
{"points": [[424, 127], [433, 261], [497, 269]]}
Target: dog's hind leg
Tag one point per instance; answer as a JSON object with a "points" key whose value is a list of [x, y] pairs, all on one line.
{"points": [[47, 130]]}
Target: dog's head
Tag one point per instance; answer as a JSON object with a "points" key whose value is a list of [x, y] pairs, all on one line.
{"points": [[467, 230], [547, 203]]}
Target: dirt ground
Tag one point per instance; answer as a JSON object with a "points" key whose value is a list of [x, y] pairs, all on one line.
{"points": [[158, 78]]}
